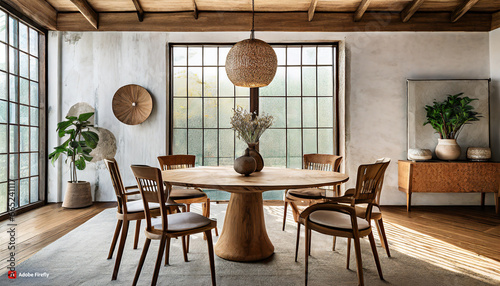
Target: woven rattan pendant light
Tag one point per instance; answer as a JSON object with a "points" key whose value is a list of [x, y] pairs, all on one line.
{"points": [[251, 62]]}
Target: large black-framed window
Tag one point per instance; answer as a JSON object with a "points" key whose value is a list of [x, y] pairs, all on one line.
{"points": [[22, 113], [302, 98]]}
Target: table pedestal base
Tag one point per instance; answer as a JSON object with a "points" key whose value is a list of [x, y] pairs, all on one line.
{"points": [[244, 236]]}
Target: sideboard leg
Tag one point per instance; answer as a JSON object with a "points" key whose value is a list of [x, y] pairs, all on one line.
{"points": [[497, 202], [483, 195], [408, 201]]}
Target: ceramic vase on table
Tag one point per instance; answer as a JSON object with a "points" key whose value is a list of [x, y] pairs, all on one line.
{"points": [[447, 149], [256, 155], [245, 164]]}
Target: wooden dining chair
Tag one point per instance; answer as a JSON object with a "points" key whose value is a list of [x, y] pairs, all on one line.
{"points": [[127, 211], [169, 226], [320, 162], [376, 215], [338, 217], [182, 195]]}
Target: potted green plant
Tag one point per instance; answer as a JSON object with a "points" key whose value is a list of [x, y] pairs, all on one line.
{"points": [[80, 141], [448, 119]]}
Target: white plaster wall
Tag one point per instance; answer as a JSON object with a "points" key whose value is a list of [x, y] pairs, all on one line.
{"points": [[95, 65], [495, 92]]}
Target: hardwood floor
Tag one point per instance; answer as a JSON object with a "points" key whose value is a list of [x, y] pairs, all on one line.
{"points": [[465, 233], [40, 227]]}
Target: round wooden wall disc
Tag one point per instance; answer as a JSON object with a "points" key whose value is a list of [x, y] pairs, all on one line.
{"points": [[132, 104]]}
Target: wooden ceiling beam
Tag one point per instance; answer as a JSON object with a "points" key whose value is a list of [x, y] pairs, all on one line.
{"points": [[410, 9], [140, 11], [495, 21], [40, 12], [311, 10], [87, 11], [195, 10], [361, 10], [289, 22], [462, 9]]}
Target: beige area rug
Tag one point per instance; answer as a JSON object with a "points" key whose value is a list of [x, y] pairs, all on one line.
{"points": [[79, 258]]}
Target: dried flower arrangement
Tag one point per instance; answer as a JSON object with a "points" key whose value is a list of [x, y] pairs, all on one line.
{"points": [[248, 126]]}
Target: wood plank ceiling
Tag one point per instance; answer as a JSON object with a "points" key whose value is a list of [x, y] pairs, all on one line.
{"points": [[270, 15]]}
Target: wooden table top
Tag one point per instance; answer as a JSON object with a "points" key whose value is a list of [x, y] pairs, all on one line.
{"points": [[270, 178]]}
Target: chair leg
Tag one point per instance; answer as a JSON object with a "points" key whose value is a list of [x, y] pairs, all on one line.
{"points": [[359, 262], [141, 261], [383, 237], [297, 242], [167, 251], [309, 245], [334, 243], [184, 248], [284, 215], [211, 255], [188, 209], [158, 260], [137, 232], [123, 238], [306, 248], [375, 255], [348, 253], [115, 238]]}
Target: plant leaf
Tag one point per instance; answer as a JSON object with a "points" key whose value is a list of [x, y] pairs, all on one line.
{"points": [[85, 116]]}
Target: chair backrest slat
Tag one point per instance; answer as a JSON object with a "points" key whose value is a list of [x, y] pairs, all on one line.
{"points": [[172, 162], [150, 185], [322, 162], [369, 183], [116, 179]]}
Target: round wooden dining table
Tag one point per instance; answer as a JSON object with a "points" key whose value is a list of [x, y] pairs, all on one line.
{"points": [[244, 236]]}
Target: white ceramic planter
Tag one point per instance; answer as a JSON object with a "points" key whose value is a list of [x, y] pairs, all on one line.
{"points": [[447, 149]]}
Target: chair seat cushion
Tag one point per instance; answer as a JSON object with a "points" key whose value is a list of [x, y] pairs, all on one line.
{"points": [[185, 193], [307, 194], [182, 221], [337, 220], [138, 206], [361, 210]]}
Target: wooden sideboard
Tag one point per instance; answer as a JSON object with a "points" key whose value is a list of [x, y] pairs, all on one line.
{"points": [[449, 177]]}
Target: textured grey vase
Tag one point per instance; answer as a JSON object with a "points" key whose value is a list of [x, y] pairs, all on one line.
{"points": [[245, 164], [256, 155]]}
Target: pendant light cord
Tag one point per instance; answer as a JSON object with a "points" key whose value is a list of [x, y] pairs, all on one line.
{"points": [[253, 19]]}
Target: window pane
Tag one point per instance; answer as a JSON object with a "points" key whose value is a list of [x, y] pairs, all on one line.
{"points": [[13, 166], [24, 115], [226, 144], [180, 112], [180, 56], [325, 55], [3, 197], [3, 86], [243, 103], [3, 140], [309, 136], [281, 55], [325, 141], [34, 139], [195, 146], [210, 147], [13, 138], [194, 56], [24, 65], [210, 113], [13, 35], [34, 189], [293, 56], [13, 88], [309, 112], [180, 141], [13, 61], [241, 91], [3, 29], [33, 93], [223, 51], [33, 164], [309, 55], [194, 112], [24, 137], [3, 168], [33, 42], [24, 91], [325, 112], [294, 112], [24, 166], [293, 80], [277, 86], [3, 111], [294, 148], [225, 112], [274, 106], [210, 56], [3, 57], [272, 147], [13, 113], [34, 116], [309, 81], [194, 82], [180, 82], [34, 68], [210, 82], [226, 87], [24, 190], [23, 37], [325, 81]]}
